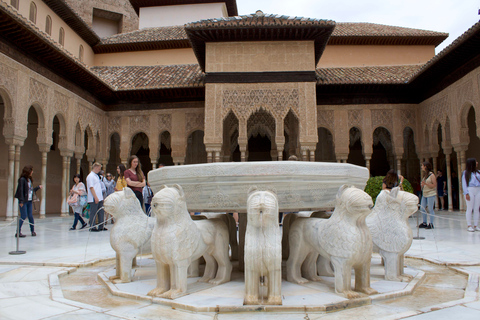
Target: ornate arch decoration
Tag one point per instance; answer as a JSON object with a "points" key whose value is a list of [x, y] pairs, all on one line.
{"points": [[464, 110], [7, 103], [40, 114], [357, 136], [426, 139], [91, 142], [230, 124], [166, 139], [380, 137], [261, 122], [144, 144], [78, 135]]}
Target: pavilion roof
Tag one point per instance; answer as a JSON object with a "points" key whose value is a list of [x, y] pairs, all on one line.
{"points": [[258, 27], [344, 34]]}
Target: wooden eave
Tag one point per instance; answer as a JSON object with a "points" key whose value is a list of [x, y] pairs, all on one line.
{"points": [[137, 4], [450, 65], [387, 40], [67, 14], [141, 46]]}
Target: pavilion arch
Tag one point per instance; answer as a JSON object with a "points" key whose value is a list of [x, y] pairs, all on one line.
{"points": [[7, 103], [325, 150], [473, 150], [139, 146], [464, 111], [165, 148], [410, 161], [196, 152], [230, 136], [40, 114], [261, 135], [78, 136], [291, 132], [356, 154], [382, 156], [113, 153]]}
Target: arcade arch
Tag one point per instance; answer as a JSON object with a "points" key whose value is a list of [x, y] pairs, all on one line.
{"points": [[261, 135], [356, 154], [325, 150], [382, 156], [195, 152], [141, 149]]}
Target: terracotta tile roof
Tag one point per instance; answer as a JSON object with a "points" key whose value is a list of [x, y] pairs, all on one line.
{"points": [[366, 75], [151, 77], [147, 35], [348, 29]]}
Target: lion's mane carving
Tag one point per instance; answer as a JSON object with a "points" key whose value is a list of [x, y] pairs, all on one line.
{"points": [[263, 249], [344, 239], [131, 232], [177, 241], [391, 233]]}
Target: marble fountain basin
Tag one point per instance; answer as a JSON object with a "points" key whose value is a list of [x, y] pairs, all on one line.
{"points": [[224, 186]]}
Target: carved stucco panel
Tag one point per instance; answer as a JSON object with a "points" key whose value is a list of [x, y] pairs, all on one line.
{"points": [[382, 118], [355, 118], [114, 125], [194, 121], [38, 92], [325, 118], [436, 110], [165, 122], [60, 103], [465, 93], [408, 118], [244, 102], [139, 123], [8, 79]]}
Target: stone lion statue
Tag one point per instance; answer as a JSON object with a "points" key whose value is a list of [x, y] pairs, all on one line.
{"points": [[344, 239], [177, 241], [263, 249], [131, 232], [232, 229], [391, 233]]}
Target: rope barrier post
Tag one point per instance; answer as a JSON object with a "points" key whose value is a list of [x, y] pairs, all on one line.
{"points": [[418, 228], [18, 238]]}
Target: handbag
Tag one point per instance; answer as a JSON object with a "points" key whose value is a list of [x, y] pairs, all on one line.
{"points": [[86, 211], [83, 200], [72, 200]]}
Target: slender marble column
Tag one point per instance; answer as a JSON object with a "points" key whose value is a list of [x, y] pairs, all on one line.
{"points": [[16, 177], [312, 155], [209, 157], [154, 165], [64, 208], [399, 165], [463, 204], [79, 164], [44, 185], [10, 182], [449, 182]]}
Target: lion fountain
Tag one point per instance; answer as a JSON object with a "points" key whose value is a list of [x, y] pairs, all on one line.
{"points": [[177, 241], [263, 249], [344, 239], [131, 232], [391, 233]]}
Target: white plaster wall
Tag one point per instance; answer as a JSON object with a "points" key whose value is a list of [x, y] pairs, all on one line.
{"points": [[177, 15], [72, 40], [104, 27]]}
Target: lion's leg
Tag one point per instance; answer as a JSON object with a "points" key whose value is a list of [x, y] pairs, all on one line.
{"points": [[224, 271], [343, 278], [252, 283], [324, 267], [309, 267], [163, 279], [275, 285], [193, 269], [117, 268], [362, 278], [179, 288], [294, 264], [210, 268]]}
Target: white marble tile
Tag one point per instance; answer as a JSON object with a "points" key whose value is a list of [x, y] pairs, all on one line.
{"points": [[22, 289], [32, 308], [460, 312]]}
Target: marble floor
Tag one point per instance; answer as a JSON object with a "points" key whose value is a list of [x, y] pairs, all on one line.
{"points": [[58, 278]]}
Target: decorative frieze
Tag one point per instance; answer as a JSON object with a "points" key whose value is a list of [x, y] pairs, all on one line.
{"points": [[194, 121], [382, 118]]}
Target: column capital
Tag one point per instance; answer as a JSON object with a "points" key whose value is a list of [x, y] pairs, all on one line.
{"points": [[15, 140], [44, 147], [66, 153], [460, 147]]}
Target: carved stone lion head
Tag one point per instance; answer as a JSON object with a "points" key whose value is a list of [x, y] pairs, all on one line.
{"points": [[122, 203]]}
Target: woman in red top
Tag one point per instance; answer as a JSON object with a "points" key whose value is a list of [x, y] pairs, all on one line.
{"points": [[135, 177]]}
